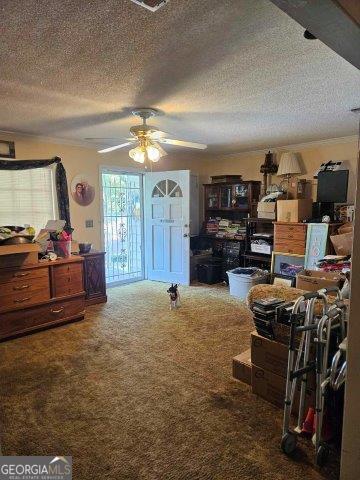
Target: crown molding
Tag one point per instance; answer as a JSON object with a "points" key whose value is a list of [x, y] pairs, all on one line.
{"points": [[207, 155], [295, 146], [56, 140]]}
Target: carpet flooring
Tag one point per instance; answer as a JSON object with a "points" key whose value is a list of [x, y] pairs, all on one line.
{"points": [[136, 392]]}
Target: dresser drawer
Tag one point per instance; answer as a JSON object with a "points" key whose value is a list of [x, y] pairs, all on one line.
{"points": [[67, 269], [24, 286], [290, 232], [68, 284], [26, 320], [16, 275], [23, 299], [290, 246]]}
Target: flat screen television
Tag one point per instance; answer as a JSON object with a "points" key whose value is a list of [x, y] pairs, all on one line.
{"points": [[333, 186]]}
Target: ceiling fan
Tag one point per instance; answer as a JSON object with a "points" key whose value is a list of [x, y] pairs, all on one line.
{"points": [[148, 139]]}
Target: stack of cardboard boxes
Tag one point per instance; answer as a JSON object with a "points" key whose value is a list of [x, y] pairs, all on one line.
{"points": [[264, 367]]}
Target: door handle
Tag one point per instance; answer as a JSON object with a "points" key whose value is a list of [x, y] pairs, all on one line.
{"points": [[186, 235], [21, 300], [21, 287], [17, 275]]}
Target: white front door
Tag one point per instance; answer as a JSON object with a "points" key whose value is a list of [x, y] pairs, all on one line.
{"points": [[167, 226]]}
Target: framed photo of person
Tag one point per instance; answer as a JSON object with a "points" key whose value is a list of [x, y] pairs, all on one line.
{"points": [[82, 192]]}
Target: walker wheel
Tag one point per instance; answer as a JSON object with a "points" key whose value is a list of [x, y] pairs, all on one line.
{"points": [[288, 443], [322, 455]]}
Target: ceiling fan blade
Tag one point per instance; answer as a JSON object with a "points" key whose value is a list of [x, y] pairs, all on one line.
{"points": [[116, 147], [159, 147], [102, 138], [157, 134], [181, 143]]}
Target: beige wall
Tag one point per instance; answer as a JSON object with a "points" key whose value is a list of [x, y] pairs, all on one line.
{"points": [[311, 156], [79, 159]]}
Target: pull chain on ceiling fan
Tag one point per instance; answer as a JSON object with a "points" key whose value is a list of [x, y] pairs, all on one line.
{"points": [[148, 138]]}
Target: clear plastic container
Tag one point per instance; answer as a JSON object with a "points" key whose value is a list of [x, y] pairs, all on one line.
{"points": [[62, 248]]}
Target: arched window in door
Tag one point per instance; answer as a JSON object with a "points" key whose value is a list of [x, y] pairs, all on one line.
{"points": [[167, 188]]}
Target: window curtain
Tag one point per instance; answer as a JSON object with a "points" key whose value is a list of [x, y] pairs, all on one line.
{"points": [[60, 180]]}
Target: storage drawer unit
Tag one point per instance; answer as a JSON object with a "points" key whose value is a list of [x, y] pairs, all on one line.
{"points": [[23, 288], [8, 275], [39, 295], [290, 238], [21, 321]]}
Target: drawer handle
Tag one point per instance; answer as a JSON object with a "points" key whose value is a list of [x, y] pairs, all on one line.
{"points": [[61, 309], [24, 274], [21, 287], [21, 300]]}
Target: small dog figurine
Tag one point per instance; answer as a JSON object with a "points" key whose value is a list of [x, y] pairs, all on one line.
{"points": [[174, 296]]}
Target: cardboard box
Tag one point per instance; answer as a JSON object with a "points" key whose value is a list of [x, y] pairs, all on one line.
{"points": [[342, 243], [268, 215], [271, 387], [299, 188], [19, 255], [282, 334], [272, 356], [268, 354], [242, 367], [294, 210], [312, 280], [266, 207], [266, 210]]}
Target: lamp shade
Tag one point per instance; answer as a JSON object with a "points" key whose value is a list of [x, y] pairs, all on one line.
{"points": [[289, 164]]}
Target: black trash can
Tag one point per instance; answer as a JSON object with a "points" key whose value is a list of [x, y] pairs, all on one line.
{"points": [[210, 272]]}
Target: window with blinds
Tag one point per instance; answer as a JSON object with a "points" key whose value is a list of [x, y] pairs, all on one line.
{"points": [[27, 197]]}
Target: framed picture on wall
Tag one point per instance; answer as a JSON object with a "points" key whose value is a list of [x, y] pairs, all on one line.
{"points": [[286, 264], [7, 149], [82, 192]]}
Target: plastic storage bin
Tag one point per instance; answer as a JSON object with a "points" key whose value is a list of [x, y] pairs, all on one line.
{"points": [[242, 279], [210, 272]]}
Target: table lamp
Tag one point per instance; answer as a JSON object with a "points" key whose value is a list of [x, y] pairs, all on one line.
{"points": [[288, 166]]}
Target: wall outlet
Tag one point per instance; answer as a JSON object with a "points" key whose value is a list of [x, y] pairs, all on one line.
{"points": [[89, 223]]}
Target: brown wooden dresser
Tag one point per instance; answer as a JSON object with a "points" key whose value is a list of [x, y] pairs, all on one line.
{"points": [[290, 237], [38, 295]]}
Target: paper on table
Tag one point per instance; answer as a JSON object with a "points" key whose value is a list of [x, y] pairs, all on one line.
{"points": [[55, 225]]}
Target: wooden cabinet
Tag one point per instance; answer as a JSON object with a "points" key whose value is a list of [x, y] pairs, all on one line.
{"points": [[230, 197], [94, 277], [290, 238], [35, 296]]}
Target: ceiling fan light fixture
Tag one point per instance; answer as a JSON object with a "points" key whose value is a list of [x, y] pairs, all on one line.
{"points": [[153, 153], [138, 154]]}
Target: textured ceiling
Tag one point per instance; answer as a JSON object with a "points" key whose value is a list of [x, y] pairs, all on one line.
{"points": [[236, 74]]}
